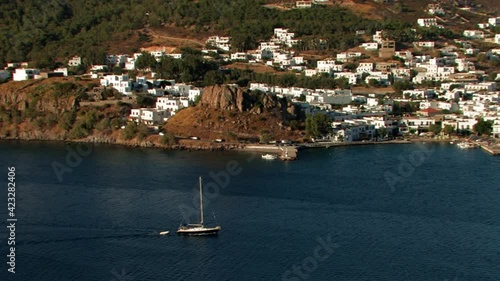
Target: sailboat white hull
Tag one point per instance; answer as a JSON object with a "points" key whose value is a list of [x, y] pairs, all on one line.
{"points": [[197, 231]]}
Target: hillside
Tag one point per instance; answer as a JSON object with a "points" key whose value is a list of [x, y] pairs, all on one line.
{"points": [[52, 109], [233, 114], [49, 109], [52, 32]]}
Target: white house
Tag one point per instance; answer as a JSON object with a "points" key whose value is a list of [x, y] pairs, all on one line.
{"points": [[310, 72], [435, 9], [427, 22], [221, 42], [303, 4], [497, 38], [494, 21], [466, 124], [485, 86], [483, 25], [371, 101], [417, 122], [377, 37], [121, 83], [364, 67], [351, 77], [425, 44], [116, 59], [353, 130], [193, 93], [370, 46], [22, 74], [99, 67], [476, 34], [496, 129], [175, 56], [239, 56], [75, 61], [149, 116], [171, 105], [328, 66]]}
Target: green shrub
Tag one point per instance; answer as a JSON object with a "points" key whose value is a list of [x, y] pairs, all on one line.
{"points": [[130, 131], [67, 120], [142, 132], [103, 125], [168, 139]]}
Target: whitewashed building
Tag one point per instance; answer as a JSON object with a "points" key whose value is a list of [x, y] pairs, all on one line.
{"points": [[22, 74], [475, 34], [121, 83], [75, 61], [427, 22], [149, 116]]}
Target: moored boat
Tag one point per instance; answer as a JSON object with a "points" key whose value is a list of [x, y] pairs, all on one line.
{"points": [[269, 156], [198, 229], [466, 145]]}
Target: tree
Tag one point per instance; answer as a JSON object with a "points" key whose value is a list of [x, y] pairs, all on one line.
{"points": [[130, 131], [213, 77], [318, 125], [448, 129], [435, 128], [483, 127], [67, 120], [382, 132], [146, 61], [145, 101], [168, 139]]}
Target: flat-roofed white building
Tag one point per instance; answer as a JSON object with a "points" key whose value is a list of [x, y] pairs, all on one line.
{"points": [[477, 34], [149, 116], [370, 46], [494, 21], [121, 83], [75, 61], [427, 22], [22, 74]]}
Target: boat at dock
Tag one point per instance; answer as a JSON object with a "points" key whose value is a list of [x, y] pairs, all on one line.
{"points": [[269, 156], [288, 155], [466, 145], [199, 228]]}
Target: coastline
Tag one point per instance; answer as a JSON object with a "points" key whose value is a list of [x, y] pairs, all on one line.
{"points": [[200, 145]]}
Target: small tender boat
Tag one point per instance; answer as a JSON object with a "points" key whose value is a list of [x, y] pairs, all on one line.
{"points": [[164, 232], [269, 156]]}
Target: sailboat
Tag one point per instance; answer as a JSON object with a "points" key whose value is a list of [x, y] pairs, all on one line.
{"points": [[198, 229]]}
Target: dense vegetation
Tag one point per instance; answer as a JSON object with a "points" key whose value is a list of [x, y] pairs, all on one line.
{"points": [[43, 31]]}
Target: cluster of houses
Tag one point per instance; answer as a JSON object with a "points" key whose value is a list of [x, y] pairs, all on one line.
{"points": [[462, 98], [174, 97], [362, 117]]}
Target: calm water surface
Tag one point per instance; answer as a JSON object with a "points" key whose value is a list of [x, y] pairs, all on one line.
{"points": [[389, 220]]}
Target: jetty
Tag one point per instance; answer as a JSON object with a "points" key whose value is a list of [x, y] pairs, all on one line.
{"points": [[493, 150], [286, 153]]}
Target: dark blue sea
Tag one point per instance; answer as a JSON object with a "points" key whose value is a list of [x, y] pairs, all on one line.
{"points": [[426, 212]]}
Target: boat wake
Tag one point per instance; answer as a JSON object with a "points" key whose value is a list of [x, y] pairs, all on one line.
{"points": [[124, 236]]}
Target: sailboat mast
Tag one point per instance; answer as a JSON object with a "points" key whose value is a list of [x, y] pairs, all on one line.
{"points": [[201, 203]]}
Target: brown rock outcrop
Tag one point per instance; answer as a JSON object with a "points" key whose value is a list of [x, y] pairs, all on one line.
{"points": [[225, 97]]}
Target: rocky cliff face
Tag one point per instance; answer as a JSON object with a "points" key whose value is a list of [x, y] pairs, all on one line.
{"points": [[39, 96], [233, 114], [233, 98], [225, 97]]}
